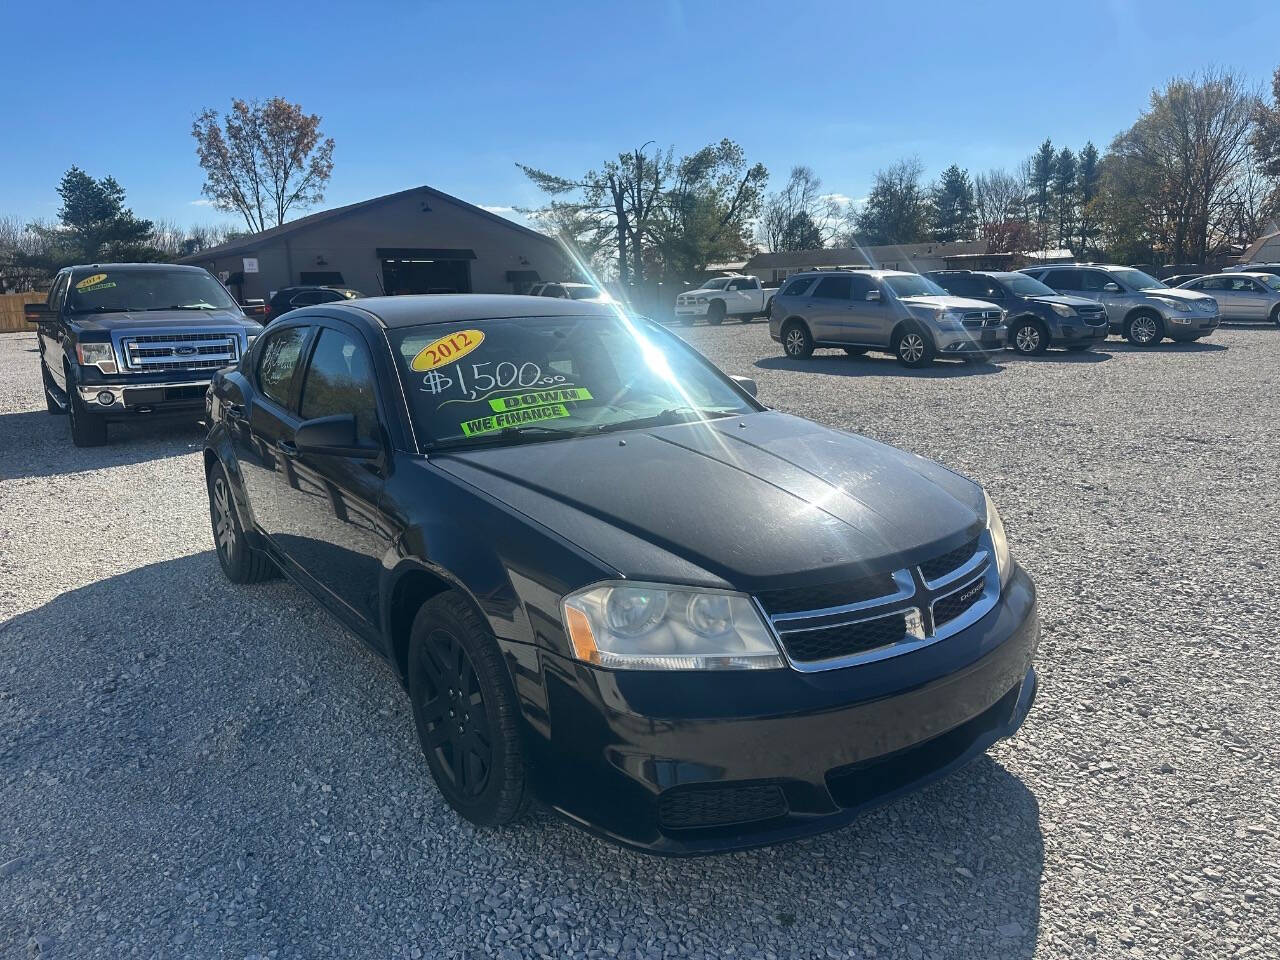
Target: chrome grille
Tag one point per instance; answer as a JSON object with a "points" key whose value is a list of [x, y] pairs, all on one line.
{"points": [[180, 351], [1092, 315], [827, 626], [981, 318]]}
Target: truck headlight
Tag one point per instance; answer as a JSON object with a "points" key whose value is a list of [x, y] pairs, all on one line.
{"points": [[1062, 310], [995, 528], [98, 355], [644, 626]]}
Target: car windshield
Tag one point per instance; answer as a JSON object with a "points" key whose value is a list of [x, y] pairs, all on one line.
{"points": [[1136, 279], [114, 291], [715, 284], [1025, 286], [913, 285], [1271, 281], [515, 379], [583, 293]]}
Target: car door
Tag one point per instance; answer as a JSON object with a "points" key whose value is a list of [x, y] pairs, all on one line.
{"points": [[743, 296], [51, 333], [831, 317], [331, 521], [870, 312], [266, 425], [1249, 297], [1101, 286]]}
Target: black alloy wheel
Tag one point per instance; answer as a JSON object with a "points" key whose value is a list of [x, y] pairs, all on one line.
{"points": [[240, 562], [87, 429], [466, 714]]}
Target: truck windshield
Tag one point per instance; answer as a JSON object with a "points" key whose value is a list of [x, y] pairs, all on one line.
{"points": [[913, 285], [583, 293], [513, 380], [715, 284], [117, 291]]}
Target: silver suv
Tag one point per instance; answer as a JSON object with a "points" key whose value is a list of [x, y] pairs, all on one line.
{"points": [[904, 314], [1139, 307]]}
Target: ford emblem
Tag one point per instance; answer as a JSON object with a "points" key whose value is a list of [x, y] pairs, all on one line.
{"points": [[185, 351]]}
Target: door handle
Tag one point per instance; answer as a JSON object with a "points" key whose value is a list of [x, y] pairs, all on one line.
{"points": [[287, 447]]}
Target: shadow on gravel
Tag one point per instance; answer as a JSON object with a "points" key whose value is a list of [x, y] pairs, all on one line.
{"points": [[1060, 356], [38, 444], [870, 365], [1166, 346], [224, 770]]}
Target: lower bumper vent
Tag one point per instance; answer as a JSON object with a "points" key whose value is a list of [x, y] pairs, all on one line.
{"points": [[688, 808]]}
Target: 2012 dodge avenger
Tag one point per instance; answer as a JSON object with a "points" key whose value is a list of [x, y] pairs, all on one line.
{"points": [[609, 578]]}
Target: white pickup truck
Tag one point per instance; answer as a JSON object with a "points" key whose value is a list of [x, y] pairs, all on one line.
{"points": [[733, 296]]}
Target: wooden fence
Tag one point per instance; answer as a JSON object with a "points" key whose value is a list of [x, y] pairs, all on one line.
{"points": [[11, 310]]}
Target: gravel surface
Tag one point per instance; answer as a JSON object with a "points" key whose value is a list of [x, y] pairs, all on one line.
{"points": [[193, 769]]}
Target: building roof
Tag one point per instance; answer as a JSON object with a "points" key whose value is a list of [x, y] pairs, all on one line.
{"points": [[256, 240], [414, 310], [863, 256], [1263, 250]]}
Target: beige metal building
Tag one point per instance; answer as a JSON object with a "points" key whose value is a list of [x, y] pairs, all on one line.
{"points": [[415, 241]]}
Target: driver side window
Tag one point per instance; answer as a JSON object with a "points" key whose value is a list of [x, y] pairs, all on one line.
{"points": [[1095, 280], [278, 365], [340, 380]]}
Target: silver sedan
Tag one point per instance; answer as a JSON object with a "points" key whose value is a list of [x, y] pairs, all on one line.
{"points": [[1242, 296]]}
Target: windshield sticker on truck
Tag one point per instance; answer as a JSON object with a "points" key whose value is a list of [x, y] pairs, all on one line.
{"points": [[513, 418], [447, 349], [94, 283], [540, 398]]}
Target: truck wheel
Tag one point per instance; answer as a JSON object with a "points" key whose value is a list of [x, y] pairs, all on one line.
{"points": [[913, 347], [1144, 329], [50, 403], [796, 341], [715, 313], [466, 712], [239, 561], [87, 429], [1029, 338]]}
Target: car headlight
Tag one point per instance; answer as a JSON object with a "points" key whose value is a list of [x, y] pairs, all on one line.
{"points": [[644, 626], [1180, 305], [700, 300], [948, 319], [1062, 310], [995, 528], [98, 355]]}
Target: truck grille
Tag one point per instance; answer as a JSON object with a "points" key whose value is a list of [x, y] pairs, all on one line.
{"points": [[1092, 315], [833, 625], [180, 351]]}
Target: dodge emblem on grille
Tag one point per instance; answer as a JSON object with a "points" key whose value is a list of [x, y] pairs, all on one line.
{"points": [[184, 351], [972, 592]]}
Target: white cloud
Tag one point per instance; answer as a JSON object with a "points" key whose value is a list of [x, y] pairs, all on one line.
{"points": [[839, 198], [202, 202], [497, 209]]}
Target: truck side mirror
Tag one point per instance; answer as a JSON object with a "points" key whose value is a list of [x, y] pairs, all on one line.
{"points": [[38, 312]]}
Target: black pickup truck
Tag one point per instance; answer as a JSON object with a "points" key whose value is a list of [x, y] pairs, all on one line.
{"points": [[119, 340]]}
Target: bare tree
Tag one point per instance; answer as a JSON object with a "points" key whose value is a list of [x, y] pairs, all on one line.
{"points": [[263, 159], [1000, 198], [799, 216]]}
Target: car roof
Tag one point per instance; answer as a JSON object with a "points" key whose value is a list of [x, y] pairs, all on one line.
{"points": [[417, 309], [870, 273], [1256, 274], [140, 267]]}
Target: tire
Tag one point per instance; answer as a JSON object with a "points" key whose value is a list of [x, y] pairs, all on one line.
{"points": [[465, 710], [715, 313], [913, 347], [1078, 347], [1029, 338], [797, 343], [50, 404], [1144, 329], [1275, 314], [239, 561], [87, 429], [855, 351]]}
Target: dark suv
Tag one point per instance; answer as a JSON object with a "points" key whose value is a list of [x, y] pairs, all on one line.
{"points": [[291, 298], [546, 515], [119, 340], [1039, 318]]}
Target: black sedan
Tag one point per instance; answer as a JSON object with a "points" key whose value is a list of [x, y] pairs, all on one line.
{"points": [[611, 579]]}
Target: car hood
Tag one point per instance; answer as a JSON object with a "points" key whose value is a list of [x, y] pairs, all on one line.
{"points": [[142, 319], [1174, 293], [1064, 299], [956, 303], [753, 502]]}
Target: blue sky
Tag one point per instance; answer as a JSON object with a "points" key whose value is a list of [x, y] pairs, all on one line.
{"points": [[452, 95]]}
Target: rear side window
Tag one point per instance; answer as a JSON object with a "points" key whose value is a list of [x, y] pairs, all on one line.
{"points": [[796, 287], [834, 288], [1063, 279], [278, 364], [340, 380]]}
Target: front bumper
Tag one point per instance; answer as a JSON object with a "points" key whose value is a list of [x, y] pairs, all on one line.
{"points": [[695, 763], [116, 397], [986, 340], [1080, 333], [692, 309]]}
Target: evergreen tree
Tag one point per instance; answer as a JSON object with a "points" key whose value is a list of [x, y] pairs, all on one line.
{"points": [[1040, 180], [1088, 179], [1065, 170], [953, 216]]}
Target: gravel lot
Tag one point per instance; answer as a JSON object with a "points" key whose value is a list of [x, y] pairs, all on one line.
{"points": [[193, 769]]}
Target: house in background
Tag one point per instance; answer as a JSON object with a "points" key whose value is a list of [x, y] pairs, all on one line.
{"points": [[967, 254], [415, 241], [1266, 249]]}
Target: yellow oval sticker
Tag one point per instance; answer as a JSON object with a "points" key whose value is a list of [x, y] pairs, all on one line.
{"points": [[447, 349], [91, 281]]}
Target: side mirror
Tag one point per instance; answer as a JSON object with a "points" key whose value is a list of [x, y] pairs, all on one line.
{"points": [[746, 383], [1111, 288], [37, 312], [873, 295], [334, 437]]}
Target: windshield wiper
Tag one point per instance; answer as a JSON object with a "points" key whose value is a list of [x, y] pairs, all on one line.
{"points": [[104, 309], [669, 416], [177, 307]]}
